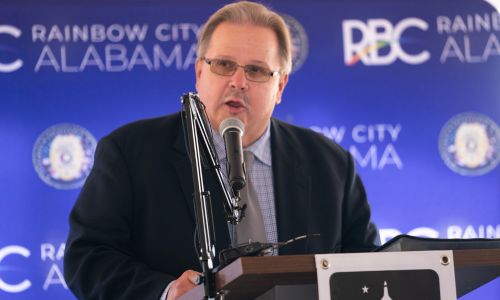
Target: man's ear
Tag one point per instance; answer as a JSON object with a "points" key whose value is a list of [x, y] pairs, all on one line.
{"points": [[281, 87], [197, 67]]}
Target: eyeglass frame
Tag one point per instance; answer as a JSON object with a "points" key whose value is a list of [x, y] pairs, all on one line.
{"points": [[269, 74]]}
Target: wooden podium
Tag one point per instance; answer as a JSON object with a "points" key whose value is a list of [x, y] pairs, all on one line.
{"points": [[250, 277]]}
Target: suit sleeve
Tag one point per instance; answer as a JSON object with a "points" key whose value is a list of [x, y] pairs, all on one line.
{"points": [[358, 232], [99, 261]]}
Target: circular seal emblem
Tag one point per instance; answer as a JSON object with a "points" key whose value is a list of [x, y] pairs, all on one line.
{"points": [[300, 43], [469, 144], [63, 155]]}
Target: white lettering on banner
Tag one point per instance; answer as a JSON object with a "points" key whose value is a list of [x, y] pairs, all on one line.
{"points": [[115, 47], [464, 52], [473, 38], [488, 231], [95, 33], [470, 23], [452, 232], [176, 32], [92, 58], [18, 63], [54, 277], [140, 57], [377, 34], [48, 252], [160, 57], [116, 58], [386, 234], [377, 132], [24, 284], [54, 253], [426, 232], [334, 133], [388, 157], [377, 156]]}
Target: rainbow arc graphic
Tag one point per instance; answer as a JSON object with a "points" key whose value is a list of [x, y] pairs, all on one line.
{"points": [[370, 48]]}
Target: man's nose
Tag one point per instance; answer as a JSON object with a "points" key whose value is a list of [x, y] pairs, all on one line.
{"points": [[239, 80]]}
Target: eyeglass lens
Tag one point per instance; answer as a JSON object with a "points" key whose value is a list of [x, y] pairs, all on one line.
{"points": [[228, 68]]}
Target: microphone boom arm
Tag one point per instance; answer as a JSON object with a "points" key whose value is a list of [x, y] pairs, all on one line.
{"points": [[193, 105], [196, 133]]}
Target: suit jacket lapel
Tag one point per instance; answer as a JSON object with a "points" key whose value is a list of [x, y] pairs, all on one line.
{"points": [[291, 189]]}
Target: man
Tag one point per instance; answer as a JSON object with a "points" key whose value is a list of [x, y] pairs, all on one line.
{"points": [[132, 227]]}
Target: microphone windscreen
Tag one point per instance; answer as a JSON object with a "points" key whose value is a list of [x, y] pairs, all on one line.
{"points": [[231, 123]]}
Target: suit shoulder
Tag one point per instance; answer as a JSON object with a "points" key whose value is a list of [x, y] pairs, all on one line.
{"points": [[142, 130]]}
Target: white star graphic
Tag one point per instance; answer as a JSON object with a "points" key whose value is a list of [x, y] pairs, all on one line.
{"points": [[365, 289]]}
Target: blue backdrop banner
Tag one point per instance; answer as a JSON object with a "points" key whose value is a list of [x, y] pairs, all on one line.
{"points": [[411, 89]]}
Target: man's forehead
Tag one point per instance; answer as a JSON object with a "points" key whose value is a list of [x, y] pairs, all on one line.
{"points": [[257, 44]]}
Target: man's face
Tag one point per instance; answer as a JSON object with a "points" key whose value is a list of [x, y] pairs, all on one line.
{"points": [[235, 96]]}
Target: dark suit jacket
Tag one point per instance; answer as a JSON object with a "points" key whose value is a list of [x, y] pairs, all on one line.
{"points": [[132, 227]]}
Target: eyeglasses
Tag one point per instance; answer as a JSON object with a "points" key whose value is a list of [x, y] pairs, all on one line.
{"points": [[226, 67]]}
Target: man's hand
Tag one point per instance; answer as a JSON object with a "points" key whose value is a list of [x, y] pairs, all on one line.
{"points": [[183, 284]]}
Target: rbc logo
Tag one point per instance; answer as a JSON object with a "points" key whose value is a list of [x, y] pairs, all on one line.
{"points": [[16, 64], [378, 34]]}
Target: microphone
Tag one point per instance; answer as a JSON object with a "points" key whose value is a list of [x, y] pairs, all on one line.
{"points": [[232, 129]]}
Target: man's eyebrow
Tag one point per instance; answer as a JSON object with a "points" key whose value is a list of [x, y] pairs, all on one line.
{"points": [[252, 62]]}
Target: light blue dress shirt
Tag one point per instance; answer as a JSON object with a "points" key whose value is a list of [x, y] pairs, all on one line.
{"points": [[261, 175]]}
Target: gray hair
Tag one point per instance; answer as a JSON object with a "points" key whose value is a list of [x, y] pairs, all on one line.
{"points": [[246, 12]]}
